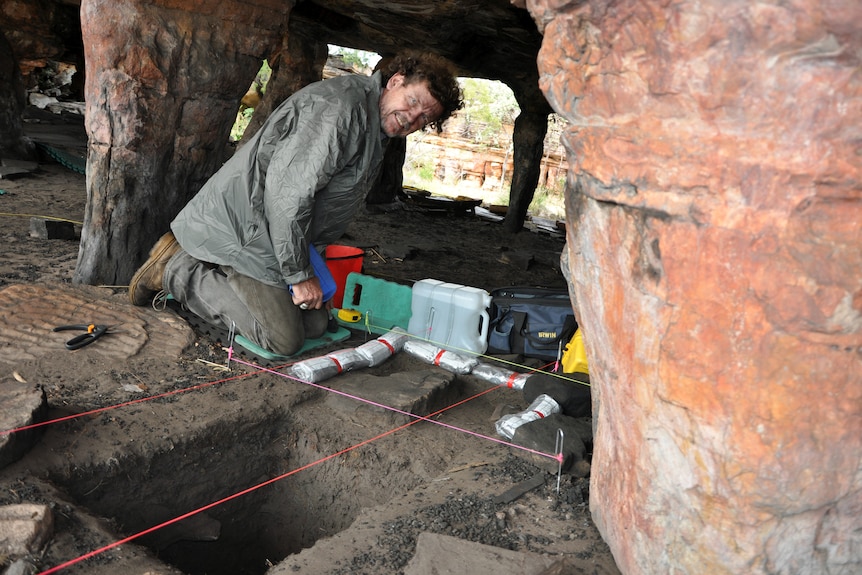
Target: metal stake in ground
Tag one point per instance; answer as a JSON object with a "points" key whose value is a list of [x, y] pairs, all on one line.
{"points": [[558, 449], [230, 337]]}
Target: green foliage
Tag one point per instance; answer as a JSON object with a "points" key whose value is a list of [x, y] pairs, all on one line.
{"points": [[241, 123], [426, 172], [540, 199], [263, 76], [488, 106], [356, 58], [243, 117], [419, 167], [548, 202]]}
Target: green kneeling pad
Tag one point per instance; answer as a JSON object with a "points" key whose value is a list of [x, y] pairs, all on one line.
{"points": [[328, 338]]}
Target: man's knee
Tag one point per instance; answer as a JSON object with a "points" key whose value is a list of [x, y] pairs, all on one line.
{"points": [[284, 343], [287, 338], [315, 323]]}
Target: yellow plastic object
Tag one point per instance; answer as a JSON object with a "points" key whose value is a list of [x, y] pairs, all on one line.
{"points": [[575, 356], [349, 315]]}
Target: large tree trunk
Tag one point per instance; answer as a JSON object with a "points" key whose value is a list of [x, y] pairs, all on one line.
{"points": [[163, 87], [528, 142]]}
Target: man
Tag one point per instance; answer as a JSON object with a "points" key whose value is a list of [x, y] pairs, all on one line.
{"points": [[239, 251]]}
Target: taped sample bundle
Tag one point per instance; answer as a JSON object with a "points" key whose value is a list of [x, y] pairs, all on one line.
{"points": [[432, 354], [500, 376], [542, 406], [379, 350], [321, 368]]}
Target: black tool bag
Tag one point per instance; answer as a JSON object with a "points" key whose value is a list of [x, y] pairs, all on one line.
{"points": [[531, 321]]}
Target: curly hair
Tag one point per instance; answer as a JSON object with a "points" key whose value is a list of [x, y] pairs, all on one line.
{"points": [[437, 71]]}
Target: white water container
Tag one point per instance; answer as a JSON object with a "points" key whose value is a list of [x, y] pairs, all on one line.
{"points": [[450, 316]]}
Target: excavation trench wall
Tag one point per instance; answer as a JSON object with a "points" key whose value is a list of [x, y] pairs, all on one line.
{"points": [[272, 522], [143, 466], [236, 453]]}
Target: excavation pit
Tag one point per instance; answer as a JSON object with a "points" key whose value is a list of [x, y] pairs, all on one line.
{"points": [[247, 534], [240, 535], [273, 476], [230, 448]]}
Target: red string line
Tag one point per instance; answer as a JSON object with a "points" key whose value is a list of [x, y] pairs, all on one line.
{"points": [[416, 419], [556, 457], [248, 490], [124, 404]]}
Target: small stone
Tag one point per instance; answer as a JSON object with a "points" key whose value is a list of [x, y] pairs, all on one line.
{"points": [[23, 405], [21, 567], [24, 528], [51, 229]]}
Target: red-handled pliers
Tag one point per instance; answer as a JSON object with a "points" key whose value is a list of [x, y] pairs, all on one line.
{"points": [[93, 332]]}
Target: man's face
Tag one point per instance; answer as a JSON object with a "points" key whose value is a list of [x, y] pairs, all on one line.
{"points": [[405, 108]]}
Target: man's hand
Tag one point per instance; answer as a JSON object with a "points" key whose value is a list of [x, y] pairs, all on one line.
{"points": [[308, 292]]}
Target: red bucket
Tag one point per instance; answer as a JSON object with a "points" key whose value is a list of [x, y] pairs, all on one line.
{"points": [[341, 260]]}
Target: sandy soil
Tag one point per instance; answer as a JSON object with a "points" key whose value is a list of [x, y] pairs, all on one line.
{"points": [[186, 433]]}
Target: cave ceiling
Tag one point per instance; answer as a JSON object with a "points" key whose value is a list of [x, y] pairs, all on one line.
{"points": [[485, 38], [492, 39]]}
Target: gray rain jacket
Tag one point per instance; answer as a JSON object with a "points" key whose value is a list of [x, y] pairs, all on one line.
{"points": [[298, 181]]}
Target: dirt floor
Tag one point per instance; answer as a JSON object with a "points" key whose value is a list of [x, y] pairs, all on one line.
{"points": [[290, 477]]}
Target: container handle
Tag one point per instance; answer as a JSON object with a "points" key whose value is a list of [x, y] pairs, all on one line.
{"points": [[483, 335]]}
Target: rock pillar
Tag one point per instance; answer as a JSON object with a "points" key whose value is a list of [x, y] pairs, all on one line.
{"points": [[528, 143], [164, 81], [714, 211]]}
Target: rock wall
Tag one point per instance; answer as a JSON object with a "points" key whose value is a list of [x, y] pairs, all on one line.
{"points": [[44, 33], [714, 214], [164, 80], [12, 102]]}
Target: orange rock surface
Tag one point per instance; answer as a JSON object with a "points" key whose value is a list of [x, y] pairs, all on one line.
{"points": [[715, 242]]}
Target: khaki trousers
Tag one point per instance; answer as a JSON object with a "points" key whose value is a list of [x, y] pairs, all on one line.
{"points": [[264, 314]]}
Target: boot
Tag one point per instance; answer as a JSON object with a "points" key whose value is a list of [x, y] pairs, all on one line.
{"points": [[147, 281]]}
